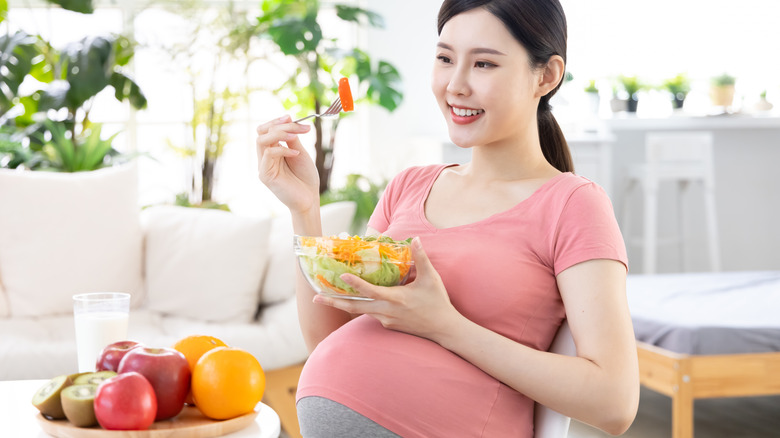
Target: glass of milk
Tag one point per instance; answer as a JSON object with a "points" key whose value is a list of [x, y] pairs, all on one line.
{"points": [[101, 319]]}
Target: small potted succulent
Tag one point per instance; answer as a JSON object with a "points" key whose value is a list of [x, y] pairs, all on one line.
{"points": [[763, 104], [592, 91], [631, 85], [679, 87], [722, 90]]}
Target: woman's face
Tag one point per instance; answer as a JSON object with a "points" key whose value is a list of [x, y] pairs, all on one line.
{"points": [[483, 81]]}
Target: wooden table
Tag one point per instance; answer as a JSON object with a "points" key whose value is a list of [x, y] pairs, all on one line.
{"points": [[18, 415]]}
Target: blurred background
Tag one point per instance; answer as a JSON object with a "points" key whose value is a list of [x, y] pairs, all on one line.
{"points": [[197, 77]]}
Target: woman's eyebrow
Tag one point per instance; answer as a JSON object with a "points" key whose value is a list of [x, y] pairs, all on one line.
{"points": [[476, 50]]}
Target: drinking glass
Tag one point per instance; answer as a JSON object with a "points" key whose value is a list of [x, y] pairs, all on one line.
{"points": [[101, 319]]}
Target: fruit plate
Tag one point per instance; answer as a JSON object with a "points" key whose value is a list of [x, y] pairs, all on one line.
{"points": [[190, 423]]}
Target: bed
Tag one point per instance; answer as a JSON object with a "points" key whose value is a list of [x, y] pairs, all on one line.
{"points": [[706, 335]]}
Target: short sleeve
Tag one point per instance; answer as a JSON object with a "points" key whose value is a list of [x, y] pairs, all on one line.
{"points": [[587, 230]]}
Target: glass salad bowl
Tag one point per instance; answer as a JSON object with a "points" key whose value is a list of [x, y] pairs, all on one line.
{"points": [[378, 260]]}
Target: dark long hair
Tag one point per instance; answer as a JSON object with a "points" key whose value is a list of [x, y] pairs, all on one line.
{"points": [[540, 27]]}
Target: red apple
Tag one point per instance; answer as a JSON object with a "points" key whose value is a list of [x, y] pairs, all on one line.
{"points": [[109, 358], [125, 402], [168, 372]]}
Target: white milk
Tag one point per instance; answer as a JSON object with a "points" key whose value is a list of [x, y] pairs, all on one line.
{"points": [[96, 330]]}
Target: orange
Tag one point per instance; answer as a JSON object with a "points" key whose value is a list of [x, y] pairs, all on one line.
{"points": [[227, 382], [193, 347]]}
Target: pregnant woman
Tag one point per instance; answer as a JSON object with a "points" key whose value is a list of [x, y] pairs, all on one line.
{"points": [[505, 247]]}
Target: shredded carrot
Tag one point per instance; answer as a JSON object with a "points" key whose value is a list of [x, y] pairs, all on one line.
{"points": [[330, 286]]}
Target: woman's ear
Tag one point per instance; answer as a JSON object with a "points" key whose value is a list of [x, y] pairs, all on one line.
{"points": [[551, 75]]}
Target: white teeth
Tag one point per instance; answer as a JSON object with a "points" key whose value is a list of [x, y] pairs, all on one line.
{"points": [[466, 112]]}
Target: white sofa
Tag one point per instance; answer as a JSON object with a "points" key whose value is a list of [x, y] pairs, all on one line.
{"points": [[190, 271]]}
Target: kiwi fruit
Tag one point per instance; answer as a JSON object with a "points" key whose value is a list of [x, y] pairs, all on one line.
{"points": [[47, 398], [93, 378], [78, 404]]}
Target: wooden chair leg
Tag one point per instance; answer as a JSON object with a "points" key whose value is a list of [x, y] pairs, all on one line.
{"points": [[280, 387]]}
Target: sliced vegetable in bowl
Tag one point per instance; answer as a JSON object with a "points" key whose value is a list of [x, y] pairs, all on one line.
{"points": [[378, 260]]}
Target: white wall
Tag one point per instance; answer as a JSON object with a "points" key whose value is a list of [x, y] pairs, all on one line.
{"points": [[411, 134]]}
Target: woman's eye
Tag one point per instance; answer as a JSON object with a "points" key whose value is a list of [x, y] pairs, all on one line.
{"points": [[444, 59], [483, 64]]}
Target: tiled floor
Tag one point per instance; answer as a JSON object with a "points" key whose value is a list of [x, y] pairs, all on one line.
{"points": [[755, 417]]}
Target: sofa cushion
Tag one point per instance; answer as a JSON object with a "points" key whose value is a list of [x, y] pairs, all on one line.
{"points": [[204, 264], [68, 233], [279, 283]]}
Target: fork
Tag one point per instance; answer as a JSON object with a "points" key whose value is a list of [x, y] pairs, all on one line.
{"points": [[333, 110]]}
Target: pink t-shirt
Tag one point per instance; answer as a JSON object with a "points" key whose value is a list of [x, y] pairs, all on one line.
{"points": [[500, 273]]}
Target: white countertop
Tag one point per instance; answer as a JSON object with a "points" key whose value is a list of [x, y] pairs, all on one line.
{"points": [[628, 122]]}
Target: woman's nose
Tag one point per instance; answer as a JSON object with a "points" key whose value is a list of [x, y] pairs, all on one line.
{"points": [[459, 83]]}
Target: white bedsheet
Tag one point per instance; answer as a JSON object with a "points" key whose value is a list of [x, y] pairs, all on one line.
{"points": [[707, 313]]}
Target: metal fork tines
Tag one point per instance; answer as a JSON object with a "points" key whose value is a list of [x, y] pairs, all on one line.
{"points": [[333, 110]]}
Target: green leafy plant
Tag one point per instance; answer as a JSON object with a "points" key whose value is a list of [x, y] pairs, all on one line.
{"points": [[679, 87], [591, 87], [12, 153], [89, 152], [293, 27], [360, 190], [68, 80], [222, 42], [723, 80], [631, 85]]}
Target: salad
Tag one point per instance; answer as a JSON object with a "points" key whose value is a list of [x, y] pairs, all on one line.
{"points": [[378, 260]]}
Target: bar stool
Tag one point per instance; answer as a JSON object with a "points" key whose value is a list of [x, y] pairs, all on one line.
{"points": [[682, 157]]}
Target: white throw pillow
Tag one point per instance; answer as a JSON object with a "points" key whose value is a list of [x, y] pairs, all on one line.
{"points": [[68, 233], [279, 283], [204, 264]]}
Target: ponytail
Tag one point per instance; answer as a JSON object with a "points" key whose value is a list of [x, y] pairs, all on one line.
{"points": [[554, 145]]}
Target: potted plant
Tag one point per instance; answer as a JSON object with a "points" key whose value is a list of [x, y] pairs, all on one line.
{"points": [[319, 62], [722, 90], [631, 86], [679, 87], [592, 91], [52, 121], [763, 105], [221, 45]]}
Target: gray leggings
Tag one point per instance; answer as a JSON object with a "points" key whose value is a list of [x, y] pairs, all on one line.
{"points": [[320, 417]]}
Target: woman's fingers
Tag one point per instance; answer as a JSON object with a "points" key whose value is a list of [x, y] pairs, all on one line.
{"points": [[263, 129], [422, 264], [365, 288], [281, 152], [287, 133]]}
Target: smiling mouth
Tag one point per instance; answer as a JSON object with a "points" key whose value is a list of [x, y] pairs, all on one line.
{"points": [[465, 112]]}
